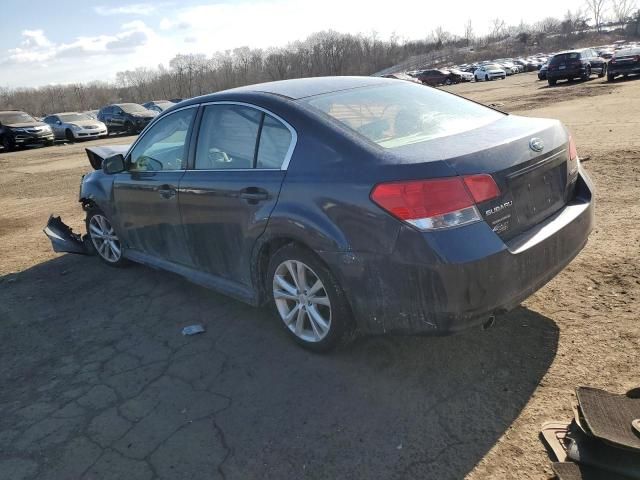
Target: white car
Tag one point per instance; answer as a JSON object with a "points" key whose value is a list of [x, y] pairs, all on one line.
{"points": [[489, 72], [72, 126]]}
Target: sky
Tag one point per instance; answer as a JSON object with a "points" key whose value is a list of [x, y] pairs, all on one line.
{"points": [[66, 41]]}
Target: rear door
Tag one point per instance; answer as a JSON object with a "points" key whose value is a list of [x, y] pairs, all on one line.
{"points": [[146, 195], [228, 194]]}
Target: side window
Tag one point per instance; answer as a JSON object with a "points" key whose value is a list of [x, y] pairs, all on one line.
{"points": [[227, 137], [275, 139], [164, 146]]}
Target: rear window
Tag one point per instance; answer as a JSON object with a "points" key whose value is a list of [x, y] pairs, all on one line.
{"points": [[628, 52], [563, 57], [404, 113]]}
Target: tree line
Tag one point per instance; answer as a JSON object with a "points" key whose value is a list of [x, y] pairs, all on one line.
{"points": [[327, 53]]}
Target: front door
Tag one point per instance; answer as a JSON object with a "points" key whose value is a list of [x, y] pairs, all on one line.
{"points": [[146, 195], [227, 197]]}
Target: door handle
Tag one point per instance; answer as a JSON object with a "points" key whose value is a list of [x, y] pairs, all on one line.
{"points": [[166, 191], [254, 194]]}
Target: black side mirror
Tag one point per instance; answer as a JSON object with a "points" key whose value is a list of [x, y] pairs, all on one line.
{"points": [[59, 122], [114, 164]]}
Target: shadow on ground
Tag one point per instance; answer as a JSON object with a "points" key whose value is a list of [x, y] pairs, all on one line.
{"points": [[96, 381]]}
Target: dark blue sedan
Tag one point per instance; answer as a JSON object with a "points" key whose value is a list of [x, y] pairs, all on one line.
{"points": [[345, 203]]}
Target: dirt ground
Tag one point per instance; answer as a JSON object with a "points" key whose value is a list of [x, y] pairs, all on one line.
{"points": [[97, 382]]}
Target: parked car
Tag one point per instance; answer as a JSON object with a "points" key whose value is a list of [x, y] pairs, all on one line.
{"points": [[125, 117], [158, 106], [72, 126], [461, 76], [542, 73], [434, 77], [401, 76], [624, 62], [574, 64], [344, 202], [490, 71], [92, 113], [20, 129]]}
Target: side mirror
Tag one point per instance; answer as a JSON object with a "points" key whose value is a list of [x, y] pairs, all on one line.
{"points": [[114, 164], [59, 122]]}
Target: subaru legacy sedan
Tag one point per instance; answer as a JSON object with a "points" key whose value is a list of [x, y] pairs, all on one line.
{"points": [[345, 203]]}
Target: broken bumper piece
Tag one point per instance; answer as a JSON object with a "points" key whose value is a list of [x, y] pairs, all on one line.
{"points": [[62, 237]]}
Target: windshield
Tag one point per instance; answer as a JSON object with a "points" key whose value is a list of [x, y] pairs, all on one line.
{"points": [[16, 117], [492, 66], [133, 108], [563, 57], [74, 117], [403, 114]]}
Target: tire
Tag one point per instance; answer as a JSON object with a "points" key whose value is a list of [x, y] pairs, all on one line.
{"points": [[8, 144], [603, 71], [68, 134], [447, 81], [49, 143], [610, 77], [587, 73], [317, 321], [552, 82], [129, 128], [97, 221], [486, 78], [503, 78]]}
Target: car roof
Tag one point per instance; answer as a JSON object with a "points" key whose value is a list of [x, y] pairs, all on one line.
{"points": [[298, 88]]}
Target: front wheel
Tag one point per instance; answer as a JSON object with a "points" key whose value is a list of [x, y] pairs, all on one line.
{"points": [[447, 81], [68, 134], [307, 299], [104, 239], [7, 144], [552, 83]]}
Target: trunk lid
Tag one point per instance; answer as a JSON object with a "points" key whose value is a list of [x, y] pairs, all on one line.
{"points": [[527, 157]]}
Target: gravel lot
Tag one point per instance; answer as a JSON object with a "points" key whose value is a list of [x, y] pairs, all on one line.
{"points": [[97, 382]]}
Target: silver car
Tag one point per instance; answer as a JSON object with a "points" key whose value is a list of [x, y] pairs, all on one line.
{"points": [[72, 126]]}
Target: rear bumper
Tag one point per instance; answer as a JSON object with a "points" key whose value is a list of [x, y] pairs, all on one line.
{"points": [[624, 70], [566, 74], [447, 281]]}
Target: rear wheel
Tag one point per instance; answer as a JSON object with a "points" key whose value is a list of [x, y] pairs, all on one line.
{"points": [[486, 77], [307, 299], [610, 77], [587, 73], [130, 128], [447, 81], [603, 71], [104, 239]]}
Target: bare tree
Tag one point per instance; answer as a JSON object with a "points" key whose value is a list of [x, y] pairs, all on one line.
{"points": [[468, 32], [498, 27], [597, 8], [622, 10]]}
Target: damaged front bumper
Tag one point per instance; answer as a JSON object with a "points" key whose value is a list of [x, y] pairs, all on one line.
{"points": [[63, 239]]}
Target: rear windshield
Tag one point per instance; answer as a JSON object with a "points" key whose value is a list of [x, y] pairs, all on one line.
{"points": [[133, 108], [74, 117], [563, 57], [403, 113], [16, 117]]}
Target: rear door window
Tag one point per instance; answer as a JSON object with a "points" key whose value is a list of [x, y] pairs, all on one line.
{"points": [[228, 137]]}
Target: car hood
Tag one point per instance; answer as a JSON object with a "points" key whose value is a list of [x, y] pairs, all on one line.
{"points": [[86, 123], [97, 154], [26, 124]]}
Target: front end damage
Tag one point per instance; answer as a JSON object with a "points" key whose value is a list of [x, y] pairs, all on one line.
{"points": [[63, 239]]}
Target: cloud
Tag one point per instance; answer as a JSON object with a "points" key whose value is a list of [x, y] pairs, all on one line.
{"points": [[131, 9], [37, 48]]}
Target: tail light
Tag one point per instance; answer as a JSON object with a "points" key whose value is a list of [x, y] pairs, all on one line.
{"points": [[573, 163], [436, 203]]}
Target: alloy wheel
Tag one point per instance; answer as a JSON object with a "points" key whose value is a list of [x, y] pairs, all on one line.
{"points": [[302, 301], [104, 238]]}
